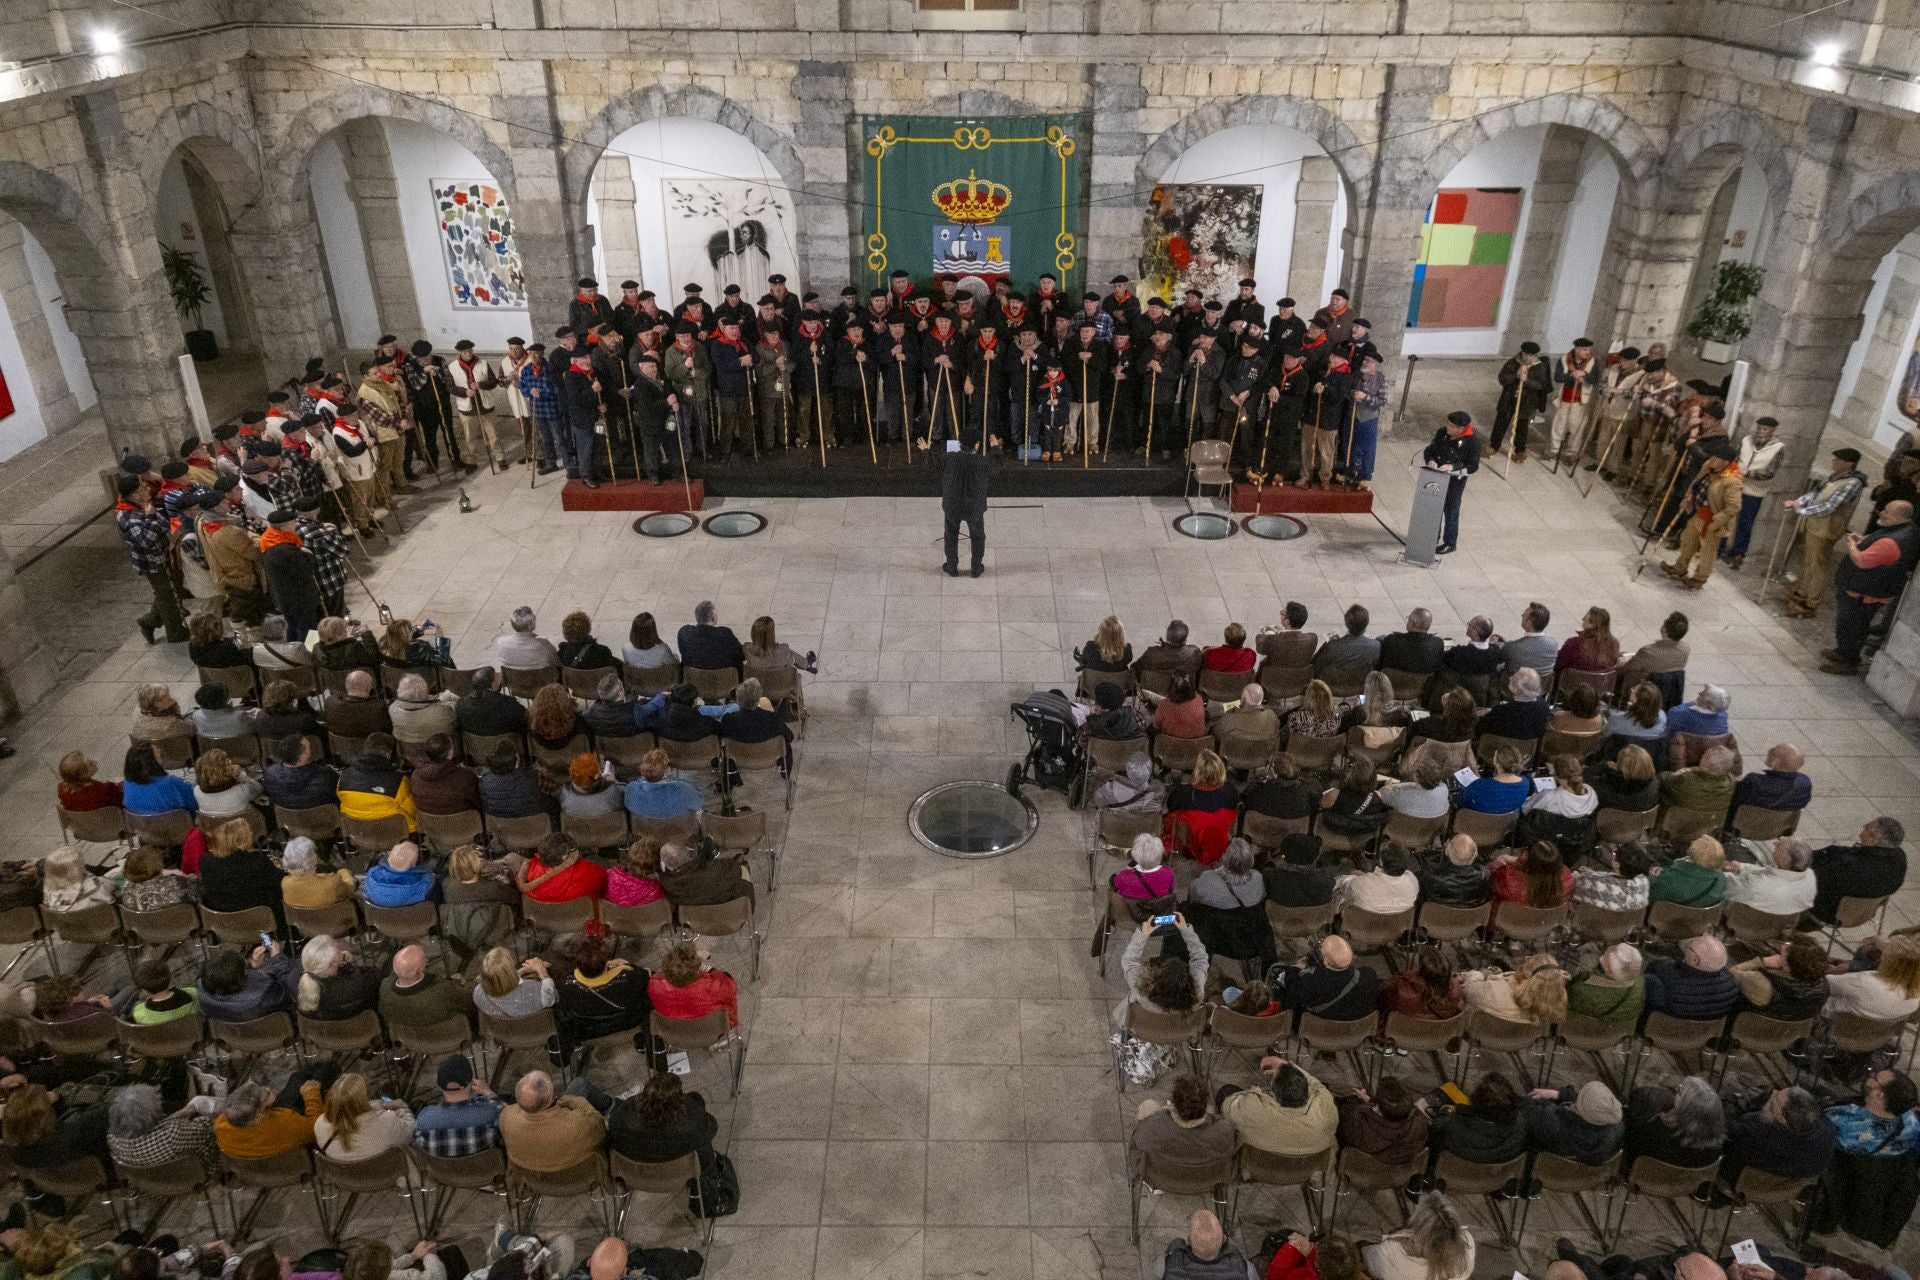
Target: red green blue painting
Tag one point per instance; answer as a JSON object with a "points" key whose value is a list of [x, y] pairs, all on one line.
{"points": [[476, 235], [1465, 249]]}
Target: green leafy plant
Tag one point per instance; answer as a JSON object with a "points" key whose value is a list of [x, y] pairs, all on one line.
{"points": [[1722, 316], [186, 283]]}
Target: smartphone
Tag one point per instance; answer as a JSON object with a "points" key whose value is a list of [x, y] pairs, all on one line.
{"points": [[266, 940], [1160, 920]]}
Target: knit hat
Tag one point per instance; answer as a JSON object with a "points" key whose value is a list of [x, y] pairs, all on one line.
{"points": [[1459, 418], [1596, 1104], [455, 1073]]}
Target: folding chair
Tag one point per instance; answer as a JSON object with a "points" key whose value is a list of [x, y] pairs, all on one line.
{"points": [[373, 837], [1154, 1175], [528, 1187], [381, 1174], [1114, 832], [535, 1031], [1253, 1166], [239, 682], [448, 831], [444, 1175], [1224, 686], [584, 682], [704, 1033], [520, 833], [269, 1174], [1561, 1176], [723, 920], [1358, 1173], [317, 823], [1751, 822], [1208, 462], [335, 920], [559, 758], [1675, 923], [524, 682], [1681, 824], [1498, 1035], [1186, 1030], [762, 757], [162, 830], [602, 831], [240, 929], [1499, 1183], [644, 682], [713, 684], [1488, 830], [94, 826], [1672, 1186], [1266, 832], [679, 1178], [1490, 744]]}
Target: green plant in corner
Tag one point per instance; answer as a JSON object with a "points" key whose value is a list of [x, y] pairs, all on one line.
{"points": [[1722, 316], [186, 283]]}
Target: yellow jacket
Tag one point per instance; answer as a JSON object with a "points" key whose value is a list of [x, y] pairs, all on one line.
{"points": [[371, 806]]}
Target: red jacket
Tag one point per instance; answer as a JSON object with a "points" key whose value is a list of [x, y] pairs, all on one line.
{"points": [[1236, 658], [581, 880], [1287, 1264], [711, 990]]}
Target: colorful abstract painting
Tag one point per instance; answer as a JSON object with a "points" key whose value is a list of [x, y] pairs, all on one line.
{"points": [[1465, 249], [476, 234], [1198, 236], [723, 231]]}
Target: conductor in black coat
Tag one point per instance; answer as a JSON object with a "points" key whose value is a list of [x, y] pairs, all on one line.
{"points": [[1454, 449], [964, 498], [580, 398], [650, 401]]}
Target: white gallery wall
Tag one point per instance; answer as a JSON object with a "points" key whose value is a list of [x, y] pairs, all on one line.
{"points": [[343, 244], [51, 390], [177, 227]]}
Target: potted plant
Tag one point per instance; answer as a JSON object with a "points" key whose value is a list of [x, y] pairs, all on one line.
{"points": [[1722, 321], [188, 285]]}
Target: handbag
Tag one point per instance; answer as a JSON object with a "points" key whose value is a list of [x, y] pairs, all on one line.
{"points": [[716, 1192], [1141, 1062]]}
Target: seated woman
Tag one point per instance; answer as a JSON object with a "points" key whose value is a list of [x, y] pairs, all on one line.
{"points": [[1353, 808], [1202, 811], [236, 876], [1116, 717], [478, 897], [1788, 984], [1534, 992], [687, 986], [1428, 988], [1172, 981], [1593, 647], [602, 995], [1504, 790], [1536, 878], [1578, 712], [662, 1124], [331, 985], [554, 721], [63, 998], [578, 649], [510, 988], [1457, 716], [610, 714], [149, 789], [209, 644], [1255, 1000], [1376, 712], [1233, 655], [659, 793], [142, 1135], [1643, 717], [644, 648], [590, 791], [1488, 1129], [1277, 790], [233, 989], [345, 646], [1697, 880], [753, 719], [1108, 651], [1628, 782], [159, 718], [79, 791], [354, 1127], [1230, 884], [557, 873], [38, 1135], [159, 999], [1209, 789], [681, 715], [147, 885], [1891, 989], [214, 715], [1182, 713], [284, 712], [763, 651], [1611, 995], [1564, 812], [1316, 716], [305, 885], [1684, 1127], [221, 788], [1619, 881], [275, 652], [1145, 877], [400, 647], [1425, 796], [1297, 878], [66, 883], [1700, 987], [635, 880]]}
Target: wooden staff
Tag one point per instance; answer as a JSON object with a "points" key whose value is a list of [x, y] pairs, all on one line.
{"points": [[613, 472], [1601, 466], [866, 406], [1193, 401], [953, 406], [1113, 404], [753, 416], [1513, 426], [1026, 415], [1353, 410], [1086, 440], [819, 425], [986, 398], [633, 432], [906, 415], [1239, 416], [1153, 387], [680, 447], [1773, 560], [1259, 477], [785, 392]]}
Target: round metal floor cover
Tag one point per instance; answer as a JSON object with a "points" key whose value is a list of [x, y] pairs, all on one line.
{"points": [[972, 820], [1209, 525], [1274, 528], [665, 524], [735, 524]]}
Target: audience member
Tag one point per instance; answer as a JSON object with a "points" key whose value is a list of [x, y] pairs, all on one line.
{"points": [[79, 791], [372, 788], [522, 647], [142, 1134], [157, 717], [1293, 1114], [1205, 1253], [1697, 880], [1108, 651], [1658, 657], [1297, 878], [645, 650], [1534, 992], [1583, 1125], [466, 1120], [1427, 988], [221, 789], [1134, 790], [1628, 783], [1480, 658], [1331, 985], [306, 886], [1874, 866], [1888, 991], [332, 986], [1524, 715], [158, 999], [1705, 716], [1386, 1124], [415, 998], [1488, 1129], [1787, 984], [1353, 807], [1782, 1132], [704, 643], [67, 884], [635, 880], [487, 712], [1684, 1127], [1537, 877], [1593, 648], [1316, 716], [695, 873], [297, 779], [1425, 795], [1173, 980], [1277, 790], [659, 793], [1434, 1245], [353, 1127], [1383, 886], [236, 876], [1503, 789], [1116, 717], [356, 712], [1184, 1130], [1619, 880], [611, 713], [512, 789], [1171, 655], [418, 713], [1699, 987], [442, 784], [256, 1124], [558, 872], [687, 986], [1706, 788], [1533, 649], [1785, 887], [601, 994], [1251, 723], [1780, 786], [215, 717], [1415, 650], [147, 884], [548, 1134], [1611, 995], [662, 1123], [1644, 716], [1345, 660], [578, 649], [1453, 876], [510, 988], [590, 791], [398, 879], [1182, 713]]}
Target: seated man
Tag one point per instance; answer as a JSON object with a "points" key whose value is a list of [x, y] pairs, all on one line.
{"points": [[1875, 867], [1293, 1114], [412, 997], [1480, 658], [466, 1120], [1784, 888], [1331, 986], [417, 714], [1172, 656], [234, 990], [1706, 788], [372, 787], [1185, 1128], [1415, 649], [487, 711], [398, 880], [1116, 717], [1345, 660], [441, 784], [1657, 657], [1384, 885], [1454, 876], [1252, 722], [1524, 717], [660, 793], [1780, 786], [1297, 878], [1584, 1125], [511, 789], [358, 713], [1206, 1253], [522, 647], [1286, 645], [254, 1124], [1705, 716], [1784, 1133], [295, 780], [705, 643], [545, 1133]]}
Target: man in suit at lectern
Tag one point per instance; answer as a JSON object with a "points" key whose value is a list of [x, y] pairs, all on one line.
{"points": [[1454, 449]]}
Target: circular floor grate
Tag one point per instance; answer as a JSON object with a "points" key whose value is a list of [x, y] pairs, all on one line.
{"points": [[1209, 526], [735, 524], [665, 524], [1274, 528], [972, 820]]}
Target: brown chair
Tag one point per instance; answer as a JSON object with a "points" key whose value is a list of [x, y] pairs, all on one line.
{"points": [[345, 1037], [1114, 832], [1313, 754], [584, 682], [1306, 923], [95, 826], [1407, 685], [1266, 831], [1602, 683], [243, 750], [1675, 923], [1415, 833], [1489, 743], [1186, 1030], [740, 830], [75, 1180], [587, 1179], [1762, 1037], [187, 1177], [1153, 1175], [1852, 913], [163, 830], [626, 752], [80, 1037], [704, 1033], [1499, 1183], [1489, 830], [1651, 1179], [1579, 1034], [665, 830], [536, 1031], [21, 928], [478, 746], [556, 918], [1452, 757], [238, 681], [1499, 1035], [173, 753], [1621, 826], [1561, 742], [444, 1175], [317, 823], [763, 757], [268, 1174], [602, 831], [344, 749], [713, 684], [1597, 924], [1245, 752], [520, 833], [559, 758], [1754, 823], [373, 837], [1361, 1174], [1681, 824], [433, 1039], [1420, 1035], [1519, 921], [642, 923], [239, 928], [1676, 1036], [1441, 923], [1561, 1176], [1757, 1189], [172, 1039], [1310, 1173], [380, 1174], [1224, 686], [781, 686], [1759, 929], [1336, 1036], [448, 831], [164, 927], [524, 682], [304, 679], [1179, 755], [95, 927], [1380, 755], [1229, 1030], [256, 822], [1370, 930], [644, 682], [256, 1037], [700, 754], [1208, 462], [1089, 682], [678, 1178], [1284, 684], [734, 917], [335, 920], [1851, 1033], [415, 922]]}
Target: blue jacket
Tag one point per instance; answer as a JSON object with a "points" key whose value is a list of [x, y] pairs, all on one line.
{"points": [[162, 795], [385, 887], [668, 798], [268, 989]]}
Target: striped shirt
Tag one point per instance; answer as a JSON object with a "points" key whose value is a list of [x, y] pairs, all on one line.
{"points": [[462, 1128]]}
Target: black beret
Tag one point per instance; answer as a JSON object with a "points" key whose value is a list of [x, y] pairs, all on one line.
{"points": [[226, 484], [1629, 353], [127, 486], [276, 397], [540, 347], [850, 292], [1247, 282], [564, 331], [267, 448], [1459, 418], [1212, 304], [1192, 292], [1286, 302], [1118, 280], [386, 340], [516, 342], [1156, 301], [586, 282], [307, 504], [421, 348], [189, 445], [171, 471], [1717, 412], [346, 409], [629, 284], [215, 496], [252, 418], [767, 300], [685, 326], [1529, 348], [646, 295], [1766, 422], [1089, 296], [1847, 455], [226, 431], [690, 288], [1363, 324], [730, 290], [809, 297], [899, 275], [465, 344], [876, 293], [253, 466], [136, 464], [1583, 342], [1340, 293], [280, 515], [776, 278]]}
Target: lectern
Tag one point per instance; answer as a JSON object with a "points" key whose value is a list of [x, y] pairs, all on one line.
{"points": [[1429, 511]]}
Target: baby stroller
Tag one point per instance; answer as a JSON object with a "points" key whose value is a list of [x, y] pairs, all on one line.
{"points": [[1054, 759]]}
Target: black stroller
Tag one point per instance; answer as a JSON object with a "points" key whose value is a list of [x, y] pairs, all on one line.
{"points": [[1055, 759]]}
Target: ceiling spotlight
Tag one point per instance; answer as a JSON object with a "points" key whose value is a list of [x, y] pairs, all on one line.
{"points": [[106, 41], [1826, 55]]}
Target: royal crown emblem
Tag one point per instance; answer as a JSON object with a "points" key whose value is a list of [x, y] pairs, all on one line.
{"points": [[972, 200]]}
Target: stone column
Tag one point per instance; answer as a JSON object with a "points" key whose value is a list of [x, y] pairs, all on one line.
{"points": [[29, 670], [274, 245], [1886, 358], [619, 234], [1313, 204], [376, 197], [827, 136], [1554, 186], [1113, 216], [59, 407], [549, 222], [1386, 243]]}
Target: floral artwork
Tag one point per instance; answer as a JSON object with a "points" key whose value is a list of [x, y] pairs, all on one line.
{"points": [[476, 233], [1198, 236]]}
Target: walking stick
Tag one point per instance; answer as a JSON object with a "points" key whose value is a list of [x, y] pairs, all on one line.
{"points": [[1353, 409], [606, 425], [753, 415], [1113, 405], [1193, 403], [379, 607], [1026, 415], [906, 415], [986, 398], [633, 433], [1600, 467], [1513, 424], [533, 468], [680, 447], [1773, 560], [1086, 439], [1239, 416], [819, 424], [1259, 477], [1153, 392], [1653, 511], [1661, 533], [785, 392], [866, 407]]}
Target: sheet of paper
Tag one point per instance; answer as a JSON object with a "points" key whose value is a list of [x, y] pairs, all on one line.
{"points": [[1747, 1252], [953, 446], [1465, 776]]}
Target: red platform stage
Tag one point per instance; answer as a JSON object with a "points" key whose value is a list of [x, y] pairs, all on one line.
{"points": [[631, 495], [1286, 499]]}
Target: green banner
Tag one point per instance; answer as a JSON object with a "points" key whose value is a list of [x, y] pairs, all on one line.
{"points": [[991, 198]]}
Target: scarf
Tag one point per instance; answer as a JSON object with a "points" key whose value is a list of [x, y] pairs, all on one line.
{"points": [[582, 297], [734, 343], [1337, 307], [988, 341], [615, 967], [1317, 343], [124, 505], [279, 537]]}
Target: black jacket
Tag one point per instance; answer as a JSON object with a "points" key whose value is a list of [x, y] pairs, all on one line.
{"points": [[1413, 651], [243, 879], [1478, 1136], [1553, 1127], [291, 581], [1854, 871], [1295, 886], [653, 1143], [963, 485], [1463, 454], [586, 1013], [490, 713], [710, 647], [1650, 1136], [580, 400], [647, 402], [1757, 1142], [300, 786], [1339, 994], [348, 993], [1516, 719]]}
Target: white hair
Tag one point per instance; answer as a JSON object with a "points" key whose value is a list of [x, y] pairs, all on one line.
{"points": [[299, 858], [413, 688], [1148, 852], [1525, 685], [1253, 695], [1712, 697], [522, 620], [1792, 855], [1621, 961]]}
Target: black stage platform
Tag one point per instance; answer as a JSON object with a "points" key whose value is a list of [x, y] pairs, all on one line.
{"points": [[851, 473]]}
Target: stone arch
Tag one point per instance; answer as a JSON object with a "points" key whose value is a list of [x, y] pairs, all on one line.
{"points": [[54, 212], [657, 102], [1631, 146], [1703, 155], [1351, 157], [359, 101], [227, 151], [1867, 219]]}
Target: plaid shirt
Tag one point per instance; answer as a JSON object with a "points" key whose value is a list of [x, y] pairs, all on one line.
{"points": [[283, 486], [174, 1138], [329, 548], [145, 533], [458, 1128], [1829, 495], [546, 406], [309, 477]]}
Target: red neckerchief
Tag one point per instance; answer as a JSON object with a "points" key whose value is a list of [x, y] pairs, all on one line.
{"points": [[1014, 309], [769, 337], [209, 526], [1339, 364], [1316, 343], [582, 297], [988, 341], [1466, 431], [124, 505], [939, 336], [1045, 291], [1337, 306], [1121, 295], [341, 424], [735, 343], [250, 430], [300, 447], [1287, 375]]}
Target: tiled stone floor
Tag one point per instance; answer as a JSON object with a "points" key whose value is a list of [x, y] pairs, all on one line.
{"points": [[927, 1090]]}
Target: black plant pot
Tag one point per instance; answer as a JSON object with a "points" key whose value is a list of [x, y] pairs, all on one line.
{"points": [[202, 345]]}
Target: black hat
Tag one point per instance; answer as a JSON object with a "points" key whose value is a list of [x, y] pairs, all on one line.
{"points": [[776, 278], [899, 275], [1341, 293], [1286, 302], [1629, 353], [646, 295], [1362, 324], [1719, 447], [1163, 325], [876, 293], [1014, 295], [516, 342], [1255, 341], [809, 297], [280, 515], [730, 291], [1212, 304], [1459, 418], [766, 300], [136, 464], [1119, 280], [455, 1073], [266, 448], [1529, 348], [629, 284], [465, 344], [690, 288], [304, 421], [586, 282], [1768, 421], [685, 326], [1194, 293], [1700, 386], [253, 466], [1716, 411], [851, 291], [346, 409], [1655, 365], [1085, 321], [1583, 342], [386, 340], [316, 363], [226, 431], [644, 356], [1089, 296], [1367, 351], [189, 446], [252, 418], [1247, 282], [421, 348], [1847, 455], [564, 331], [309, 503], [276, 397], [127, 486], [173, 470], [539, 348]]}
